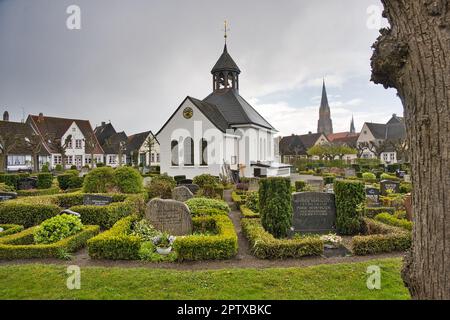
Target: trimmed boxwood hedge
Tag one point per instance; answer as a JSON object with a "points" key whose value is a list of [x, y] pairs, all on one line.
{"points": [[349, 196], [10, 229], [107, 216], [222, 245], [247, 213], [116, 243], [264, 246], [371, 212], [21, 246], [380, 238], [38, 192], [33, 210], [44, 180], [26, 214], [239, 199], [393, 221]]}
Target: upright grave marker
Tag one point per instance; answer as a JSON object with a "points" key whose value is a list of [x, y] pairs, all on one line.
{"points": [[170, 216], [96, 200], [7, 196], [182, 193], [314, 212], [392, 186], [373, 195]]}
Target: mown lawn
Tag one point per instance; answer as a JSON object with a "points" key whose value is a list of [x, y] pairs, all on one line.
{"points": [[341, 281]]}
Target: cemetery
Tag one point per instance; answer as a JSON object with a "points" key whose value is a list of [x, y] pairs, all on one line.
{"points": [[123, 214]]}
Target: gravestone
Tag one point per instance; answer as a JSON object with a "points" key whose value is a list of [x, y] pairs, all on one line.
{"points": [[96, 200], [314, 212], [182, 193], [373, 194], [316, 184], [193, 187], [146, 181], [350, 172], [170, 216], [329, 188], [7, 196], [27, 183], [385, 185], [407, 178], [70, 213]]}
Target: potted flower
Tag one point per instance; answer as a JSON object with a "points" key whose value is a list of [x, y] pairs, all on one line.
{"points": [[1, 229], [331, 241], [163, 243]]}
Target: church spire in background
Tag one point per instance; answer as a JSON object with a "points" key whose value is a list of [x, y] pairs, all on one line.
{"points": [[325, 125], [352, 126]]}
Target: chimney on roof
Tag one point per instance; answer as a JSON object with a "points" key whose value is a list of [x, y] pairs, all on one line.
{"points": [[309, 132], [103, 123], [6, 116], [41, 117]]}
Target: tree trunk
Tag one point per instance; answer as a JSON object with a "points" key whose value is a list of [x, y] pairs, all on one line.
{"points": [[413, 56], [35, 162]]}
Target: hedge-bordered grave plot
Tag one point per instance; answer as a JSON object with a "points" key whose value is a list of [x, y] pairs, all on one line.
{"points": [[8, 229], [21, 245]]}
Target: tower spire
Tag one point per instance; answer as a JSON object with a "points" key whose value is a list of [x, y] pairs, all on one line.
{"points": [[225, 30], [352, 126], [325, 125]]}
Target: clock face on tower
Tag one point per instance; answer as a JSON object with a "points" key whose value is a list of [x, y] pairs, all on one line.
{"points": [[188, 113]]}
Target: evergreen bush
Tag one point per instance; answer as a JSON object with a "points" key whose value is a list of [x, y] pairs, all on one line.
{"points": [[99, 180], [349, 196], [128, 180], [275, 205]]}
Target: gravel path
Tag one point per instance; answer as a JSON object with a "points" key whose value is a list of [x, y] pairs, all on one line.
{"points": [[243, 259]]}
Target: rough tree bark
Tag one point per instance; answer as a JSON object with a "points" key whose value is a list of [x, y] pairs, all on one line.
{"points": [[413, 56]]}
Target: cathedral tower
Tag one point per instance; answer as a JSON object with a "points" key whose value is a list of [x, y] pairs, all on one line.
{"points": [[325, 125]]}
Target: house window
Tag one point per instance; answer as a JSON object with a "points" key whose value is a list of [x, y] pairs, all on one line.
{"points": [[78, 144], [188, 151], [174, 148], [233, 160], [74, 129], [69, 144], [111, 159], [70, 160], [203, 152], [392, 156], [152, 158], [16, 160], [385, 156], [157, 157], [56, 160], [87, 159]]}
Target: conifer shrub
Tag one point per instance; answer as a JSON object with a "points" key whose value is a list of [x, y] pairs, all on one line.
{"points": [[44, 180], [349, 196], [275, 205]]}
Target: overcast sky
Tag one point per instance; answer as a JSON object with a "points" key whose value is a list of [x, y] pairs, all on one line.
{"points": [[133, 62]]}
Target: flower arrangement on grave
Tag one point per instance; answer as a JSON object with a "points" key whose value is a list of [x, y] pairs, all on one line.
{"points": [[331, 241], [1, 229], [163, 243]]}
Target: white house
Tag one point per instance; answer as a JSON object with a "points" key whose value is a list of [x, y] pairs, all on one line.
{"points": [[145, 148], [221, 131], [80, 138], [382, 137]]}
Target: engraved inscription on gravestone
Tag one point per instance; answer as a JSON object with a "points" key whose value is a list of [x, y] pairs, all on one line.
{"points": [[314, 212], [373, 194], [392, 186], [96, 200], [170, 216]]}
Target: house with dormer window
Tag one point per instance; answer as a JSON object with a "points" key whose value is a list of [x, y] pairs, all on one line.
{"points": [[68, 141]]}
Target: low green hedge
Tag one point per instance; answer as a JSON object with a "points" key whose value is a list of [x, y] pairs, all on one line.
{"points": [[196, 204], [371, 212], [31, 211], [38, 192], [239, 199], [222, 245], [26, 214], [21, 246], [116, 243], [10, 229], [393, 221], [380, 238], [300, 185], [247, 213], [200, 212], [44, 180], [264, 246], [105, 216]]}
